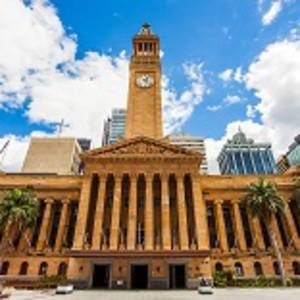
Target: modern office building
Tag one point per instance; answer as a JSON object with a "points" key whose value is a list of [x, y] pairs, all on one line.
{"points": [[114, 126], [191, 143], [291, 158], [243, 156], [293, 154], [282, 164], [141, 216], [54, 156]]}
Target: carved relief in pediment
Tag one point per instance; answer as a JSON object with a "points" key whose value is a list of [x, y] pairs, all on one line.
{"points": [[140, 148]]}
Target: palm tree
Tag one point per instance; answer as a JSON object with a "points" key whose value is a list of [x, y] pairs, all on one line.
{"points": [[297, 190], [19, 210], [262, 201]]}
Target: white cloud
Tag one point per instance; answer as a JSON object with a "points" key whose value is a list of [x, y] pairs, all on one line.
{"points": [[274, 10], [229, 75], [274, 76], [238, 75], [272, 13], [178, 108], [84, 99], [250, 111], [12, 158], [32, 41], [226, 75], [214, 108], [227, 101], [232, 99]]}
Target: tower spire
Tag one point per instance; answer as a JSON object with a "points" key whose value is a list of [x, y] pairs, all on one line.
{"points": [[144, 96], [146, 29]]}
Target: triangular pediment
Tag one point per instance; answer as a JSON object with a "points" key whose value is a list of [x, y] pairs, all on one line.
{"points": [[141, 146]]}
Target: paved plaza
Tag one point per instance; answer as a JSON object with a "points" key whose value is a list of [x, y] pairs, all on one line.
{"points": [[220, 294]]}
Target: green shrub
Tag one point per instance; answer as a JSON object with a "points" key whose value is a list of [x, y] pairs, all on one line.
{"points": [[226, 278], [295, 281], [54, 279], [220, 278]]}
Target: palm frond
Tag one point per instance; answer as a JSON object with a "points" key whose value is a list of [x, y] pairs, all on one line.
{"points": [[262, 200]]}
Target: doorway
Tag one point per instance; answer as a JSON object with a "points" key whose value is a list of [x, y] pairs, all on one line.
{"points": [[101, 276], [139, 276], [177, 277]]}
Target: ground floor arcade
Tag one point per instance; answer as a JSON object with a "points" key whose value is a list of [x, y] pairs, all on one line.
{"points": [[134, 272]]}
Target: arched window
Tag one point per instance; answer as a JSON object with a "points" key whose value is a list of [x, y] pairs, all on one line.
{"points": [[238, 268], [43, 268], [5, 267], [218, 266], [24, 268], [258, 269], [296, 267], [62, 269], [276, 268]]}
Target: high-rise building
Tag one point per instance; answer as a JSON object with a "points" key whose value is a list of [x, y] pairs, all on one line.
{"points": [[293, 154], [243, 156], [54, 155], [114, 126], [191, 143], [282, 164], [291, 158]]}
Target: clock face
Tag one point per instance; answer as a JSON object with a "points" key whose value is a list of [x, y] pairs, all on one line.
{"points": [[145, 80]]}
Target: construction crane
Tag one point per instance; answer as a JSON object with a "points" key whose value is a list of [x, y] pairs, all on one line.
{"points": [[3, 152]]}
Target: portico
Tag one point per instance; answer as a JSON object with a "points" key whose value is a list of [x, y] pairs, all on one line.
{"points": [[145, 204]]}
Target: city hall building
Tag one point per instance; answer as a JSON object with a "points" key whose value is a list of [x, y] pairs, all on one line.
{"points": [[142, 215]]}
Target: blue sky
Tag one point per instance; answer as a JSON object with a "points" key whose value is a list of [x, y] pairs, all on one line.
{"points": [[217, 55]]}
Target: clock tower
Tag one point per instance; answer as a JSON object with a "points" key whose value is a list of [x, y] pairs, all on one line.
{"points": [[144, 116]]}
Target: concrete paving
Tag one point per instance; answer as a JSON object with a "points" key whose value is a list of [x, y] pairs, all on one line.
{"points": [[219, 294]]}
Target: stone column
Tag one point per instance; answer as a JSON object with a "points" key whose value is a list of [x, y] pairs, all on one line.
{"points": [[200, 215], [149, 229], [25, 242], [82, 213], [181, 206], [97, 230], [274, 225], [165, 212], [238, 225], [291, 227], [115, 216], [132, 213], [43, 236], [257, 233], [62, 225], [222, 235]]}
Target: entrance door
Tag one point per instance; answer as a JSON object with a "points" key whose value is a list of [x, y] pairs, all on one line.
{"points": [[139, 276], [101, 277], [177, 277]]}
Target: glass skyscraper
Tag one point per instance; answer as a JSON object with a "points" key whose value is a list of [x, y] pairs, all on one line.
{"points": [[243, 156], [293, 154], [114, 126]]}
